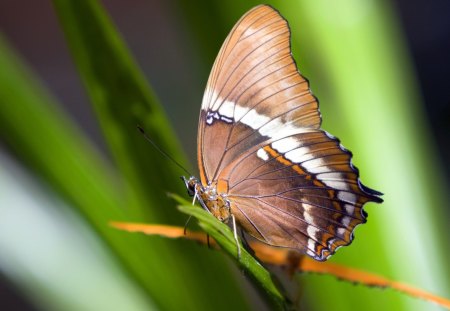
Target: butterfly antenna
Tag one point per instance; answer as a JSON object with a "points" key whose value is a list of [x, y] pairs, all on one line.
{"points": [[162, 151]]}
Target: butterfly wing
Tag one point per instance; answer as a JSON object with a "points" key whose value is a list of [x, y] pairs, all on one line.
{"points": [[254, 70], [299, 191], [289, 183]]}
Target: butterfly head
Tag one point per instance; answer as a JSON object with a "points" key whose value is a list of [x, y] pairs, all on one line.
{"points": [[191, 184]]}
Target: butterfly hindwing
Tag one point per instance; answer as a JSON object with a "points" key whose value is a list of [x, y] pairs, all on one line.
{"points": [[299, 191]]}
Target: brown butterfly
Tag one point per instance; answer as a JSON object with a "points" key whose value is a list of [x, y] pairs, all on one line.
{"points": [[264, 162]]}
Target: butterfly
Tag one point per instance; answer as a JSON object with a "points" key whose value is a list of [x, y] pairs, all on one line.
{"points": [[265, 165]]}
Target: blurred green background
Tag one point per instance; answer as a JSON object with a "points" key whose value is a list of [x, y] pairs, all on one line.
{"points": [[71, 158]]}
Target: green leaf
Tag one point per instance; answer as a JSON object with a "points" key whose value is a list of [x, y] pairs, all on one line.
{"points": [[44, 138], [122, 100], [223, 235]]}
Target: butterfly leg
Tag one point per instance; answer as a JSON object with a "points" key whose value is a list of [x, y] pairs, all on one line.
{"points": [[195, 196], [236, 237], [186, 224]]}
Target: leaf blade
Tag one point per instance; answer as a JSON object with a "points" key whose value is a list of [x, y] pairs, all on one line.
{"points": [[122, 100]]}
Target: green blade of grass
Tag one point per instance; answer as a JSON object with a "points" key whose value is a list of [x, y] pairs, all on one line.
{"points": [[52, 256], [223, 235], [122, 100], [40, 134]]}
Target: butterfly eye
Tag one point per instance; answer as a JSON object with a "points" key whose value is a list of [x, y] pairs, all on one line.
{"points": [[190, 185]]}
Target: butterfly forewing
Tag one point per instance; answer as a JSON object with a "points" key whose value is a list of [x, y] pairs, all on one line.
{"points": [[289, 183], [254, 88]]}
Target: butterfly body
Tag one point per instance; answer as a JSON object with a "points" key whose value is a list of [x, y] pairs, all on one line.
{"points": [[212, 201], [264, 162]]}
